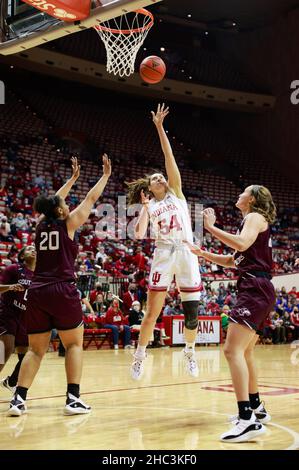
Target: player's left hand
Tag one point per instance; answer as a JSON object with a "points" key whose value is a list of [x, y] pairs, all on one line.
{"points": [[209, 218]]}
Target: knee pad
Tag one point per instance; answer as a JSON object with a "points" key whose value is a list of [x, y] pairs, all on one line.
{"points": [[190, 309]]}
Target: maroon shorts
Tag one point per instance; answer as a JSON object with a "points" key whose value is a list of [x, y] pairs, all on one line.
{"points": [[255, 300], [13, 323], [53, 306]]}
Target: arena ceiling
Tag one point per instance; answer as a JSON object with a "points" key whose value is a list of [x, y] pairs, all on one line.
{"points": [[247, 14]]}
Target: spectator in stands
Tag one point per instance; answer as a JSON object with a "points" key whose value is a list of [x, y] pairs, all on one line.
{"points": [[129, 297], [135, 315], [19, 223], [278, 329], [115, 320], [288, 325], [5, 235], [169, 308], [295, 321], [101, 256]]}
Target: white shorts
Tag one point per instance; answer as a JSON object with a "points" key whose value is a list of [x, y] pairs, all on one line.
{"points": [[180, 262]]}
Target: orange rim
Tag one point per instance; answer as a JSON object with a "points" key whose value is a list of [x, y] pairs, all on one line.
{"points": [[142, 11]]}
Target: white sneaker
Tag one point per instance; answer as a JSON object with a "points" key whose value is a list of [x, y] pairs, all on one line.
{"points": [[260, 413], [17, 406], [75, 406], [4, 383], [116, 346], [129, 346], [191, 363], [245, 430], [137, 368]]}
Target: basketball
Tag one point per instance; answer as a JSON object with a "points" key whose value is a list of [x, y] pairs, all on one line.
{"points": [[152, 69]]}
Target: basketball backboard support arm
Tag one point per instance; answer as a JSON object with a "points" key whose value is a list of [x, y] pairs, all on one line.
{"points": [[109, 9]]}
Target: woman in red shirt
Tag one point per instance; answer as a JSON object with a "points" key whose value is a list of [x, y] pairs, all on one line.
{"points": [[116, 321]]}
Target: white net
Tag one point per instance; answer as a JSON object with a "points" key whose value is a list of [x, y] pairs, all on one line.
{"points": [[123, 37]]}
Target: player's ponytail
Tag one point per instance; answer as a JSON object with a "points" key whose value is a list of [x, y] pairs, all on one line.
{"points": [[135, 188], [263, 203], [47, 206]]}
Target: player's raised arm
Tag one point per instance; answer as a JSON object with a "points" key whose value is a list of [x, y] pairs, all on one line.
{"points": [[65, 189], [173, 173], [79, 215]]}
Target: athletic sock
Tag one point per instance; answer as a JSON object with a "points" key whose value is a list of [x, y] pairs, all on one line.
{"points": [[13, 378], [140, 352], [254, 400], [22, 391], [74, 389], [245, 411]]}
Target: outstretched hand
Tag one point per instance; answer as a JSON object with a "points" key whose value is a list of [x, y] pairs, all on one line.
{"points": [[160, 114], [76, 168], [196, 250], [106, 165], [209, 218]]}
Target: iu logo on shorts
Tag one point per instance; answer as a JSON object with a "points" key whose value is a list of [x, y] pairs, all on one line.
{"points": [[156, 278]]}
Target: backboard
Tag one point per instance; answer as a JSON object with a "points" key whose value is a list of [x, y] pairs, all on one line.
{"points": [[27, 27]]}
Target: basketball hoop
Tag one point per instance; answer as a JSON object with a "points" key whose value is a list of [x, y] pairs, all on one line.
{"points": [[122, 44]]}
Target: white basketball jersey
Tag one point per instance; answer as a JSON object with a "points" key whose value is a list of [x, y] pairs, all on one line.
{"points": [[170, 220]]}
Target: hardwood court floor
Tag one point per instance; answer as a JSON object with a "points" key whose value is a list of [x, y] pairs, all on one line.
{"points": [[167, 409]]}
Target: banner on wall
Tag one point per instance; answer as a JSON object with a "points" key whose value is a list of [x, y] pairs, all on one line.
{"points": [[208, 331]]}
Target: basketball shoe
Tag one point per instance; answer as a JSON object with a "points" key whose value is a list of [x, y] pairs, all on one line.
{"points": [[17, 406], [260, 413], [190, 362], [137, 367], [75, 406], [244, 430], [4, 383]]}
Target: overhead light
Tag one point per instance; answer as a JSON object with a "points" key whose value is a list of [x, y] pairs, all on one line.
{"points": [[162, 49], [234, 24], [190, 78], [144, 48], [189, 16], [206, 33]]}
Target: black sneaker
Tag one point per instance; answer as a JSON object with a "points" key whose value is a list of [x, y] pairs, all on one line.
{"points": [[17, 406], [75, 406]]}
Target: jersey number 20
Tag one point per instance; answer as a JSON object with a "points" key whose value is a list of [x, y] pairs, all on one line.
{"points": [[50, 241]]}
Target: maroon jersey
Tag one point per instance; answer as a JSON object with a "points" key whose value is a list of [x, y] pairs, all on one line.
{"points": [[55, 254], [258, 257], [14, 302]]}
